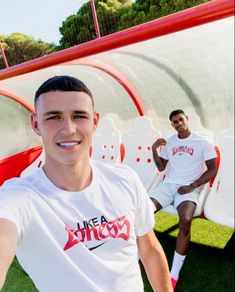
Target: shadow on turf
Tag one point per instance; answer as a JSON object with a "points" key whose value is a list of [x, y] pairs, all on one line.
{"points": [[228, 252], [206, 268]]}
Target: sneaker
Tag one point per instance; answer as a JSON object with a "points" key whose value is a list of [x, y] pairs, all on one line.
{"points": [[174, 283]]}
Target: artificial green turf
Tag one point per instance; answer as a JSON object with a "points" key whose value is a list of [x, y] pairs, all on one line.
{"points": [[209, 265], [203, 231], [17, 280]]}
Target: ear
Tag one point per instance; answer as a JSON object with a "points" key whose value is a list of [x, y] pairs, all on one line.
{"points": [[34, 124], [96, 119]]}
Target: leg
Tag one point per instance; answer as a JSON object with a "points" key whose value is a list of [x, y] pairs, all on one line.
{"points": [[157, 204], [185, 210], [161, 196]]}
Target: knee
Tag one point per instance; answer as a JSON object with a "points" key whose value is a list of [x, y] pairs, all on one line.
{"points": [[157, 204], [185, 223]]}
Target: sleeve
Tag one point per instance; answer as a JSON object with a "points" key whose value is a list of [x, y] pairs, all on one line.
{"points": [[144, 213], [163, 154], [12, 206], [6, 212], [208, 151]]}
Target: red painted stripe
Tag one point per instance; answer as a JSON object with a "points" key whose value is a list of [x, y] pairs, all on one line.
{"points": [[207, 12], [117, 76], [17, 99]]}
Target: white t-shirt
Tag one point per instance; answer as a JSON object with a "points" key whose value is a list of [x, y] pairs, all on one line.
{"points": [[186, 158], [80, 241]]}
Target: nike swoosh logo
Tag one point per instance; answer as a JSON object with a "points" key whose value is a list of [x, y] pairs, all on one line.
{"points": [[94, 247]]}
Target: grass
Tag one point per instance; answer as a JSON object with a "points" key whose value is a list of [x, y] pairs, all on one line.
{"points": [[17, 280], [209, 265]]}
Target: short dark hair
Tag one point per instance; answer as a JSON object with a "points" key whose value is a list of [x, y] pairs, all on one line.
{"points": [[62, 83], [176, 112]]}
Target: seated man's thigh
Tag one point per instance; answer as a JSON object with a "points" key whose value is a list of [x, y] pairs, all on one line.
{"points": [[163, 194], [186, 203]]}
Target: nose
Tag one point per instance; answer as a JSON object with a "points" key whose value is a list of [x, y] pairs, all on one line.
{"points": [[180, 122], [68, 127]]}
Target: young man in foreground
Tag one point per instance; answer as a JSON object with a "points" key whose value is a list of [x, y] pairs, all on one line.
{"points": [[78, 225], [185, 154]]}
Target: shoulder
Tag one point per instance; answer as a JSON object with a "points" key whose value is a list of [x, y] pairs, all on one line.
{"points": [[21, 186], [171, 138], [201, 139], [112, 168], [115, 170], [14, 195], [13, 183], [204, 145]]}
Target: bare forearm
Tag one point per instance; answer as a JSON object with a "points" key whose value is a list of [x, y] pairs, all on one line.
{"points": [[204, 178], [2, 278], [157, 271], [4, 264], [160, 163], [8, 239], [154, 261]]}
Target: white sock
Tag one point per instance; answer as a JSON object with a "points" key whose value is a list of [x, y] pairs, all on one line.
{"points": [[178, 262]]}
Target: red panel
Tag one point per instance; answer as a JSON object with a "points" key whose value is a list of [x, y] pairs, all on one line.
{"points": [[207, 12], [217, 163], [122, 151], [12, 166]]}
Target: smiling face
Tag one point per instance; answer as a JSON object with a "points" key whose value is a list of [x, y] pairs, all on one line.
{"points": [[66, 121], [180, 123]]}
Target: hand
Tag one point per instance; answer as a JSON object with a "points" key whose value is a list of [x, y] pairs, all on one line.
{"points": [[159, 142], [185, 189]]}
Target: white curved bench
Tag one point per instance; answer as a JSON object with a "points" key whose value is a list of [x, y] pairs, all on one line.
{"points": [[138, 149], [106, 142], [219, 206]]}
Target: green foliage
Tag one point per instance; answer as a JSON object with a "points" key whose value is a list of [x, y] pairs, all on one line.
{"points": [[115, 5], [80, 27], [115, 15], [77, 28], [20, 48]]}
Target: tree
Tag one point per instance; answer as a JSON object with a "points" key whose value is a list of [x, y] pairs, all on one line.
{"points": [[80, 27], [115, 15], [77, 28], [20, 48], [142, 10]]}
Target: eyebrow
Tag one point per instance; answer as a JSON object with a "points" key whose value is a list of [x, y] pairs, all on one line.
{"points": [[60, 112], [176, 121]]}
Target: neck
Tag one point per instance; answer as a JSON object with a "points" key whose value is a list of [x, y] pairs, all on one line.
{"points": [[71, 178], [185, 134]]}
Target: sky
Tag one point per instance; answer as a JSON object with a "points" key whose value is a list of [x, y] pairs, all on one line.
{"points": [[40, 19]]}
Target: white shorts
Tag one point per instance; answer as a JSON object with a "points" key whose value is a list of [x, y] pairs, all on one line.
{"points": [[166, 194]]}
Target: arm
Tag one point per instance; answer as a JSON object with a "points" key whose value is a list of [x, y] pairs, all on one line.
{"points": [[8, 241], [159, 161], [154, 261], [203, 179]]}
